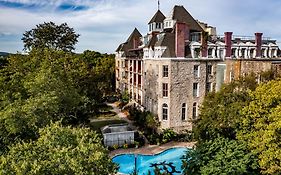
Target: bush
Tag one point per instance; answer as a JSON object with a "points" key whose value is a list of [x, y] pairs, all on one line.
{"points": [[168, 135]]}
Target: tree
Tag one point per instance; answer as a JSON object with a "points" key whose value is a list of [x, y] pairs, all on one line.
{"points": [[221, 156], [39, 88], [59, 150], [220, 112], [261, 126], [52, 36], [100, 79]]}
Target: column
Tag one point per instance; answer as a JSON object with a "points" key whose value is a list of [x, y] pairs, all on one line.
{"points": [[214, 52], [265, 52], [218, 52], [275, 53], [236, 52], [240, 52], [270, 53], [192, 52]]}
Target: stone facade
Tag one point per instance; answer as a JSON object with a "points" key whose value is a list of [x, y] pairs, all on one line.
{"points": [[180, 80]]}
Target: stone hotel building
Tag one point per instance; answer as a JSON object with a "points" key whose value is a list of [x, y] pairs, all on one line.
{"points": [[169, 70]]}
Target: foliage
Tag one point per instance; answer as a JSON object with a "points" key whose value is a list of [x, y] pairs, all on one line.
{"points": [[38, 88], [168, 135], [145, 121], [59, 150], [51, 36], [220, 156], [261, 126], [125, 97], [220, 112], [100, 78]]}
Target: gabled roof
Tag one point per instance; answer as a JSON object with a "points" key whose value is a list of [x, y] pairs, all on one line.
{"points": [[134, 34], [180, 14], [158, 17], [129, 44]]}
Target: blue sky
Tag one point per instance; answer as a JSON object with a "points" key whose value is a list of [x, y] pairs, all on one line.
{"points": [[103, 24]]}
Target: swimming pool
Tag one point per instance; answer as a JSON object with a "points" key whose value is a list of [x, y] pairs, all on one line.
{"points": [[144, 163]]}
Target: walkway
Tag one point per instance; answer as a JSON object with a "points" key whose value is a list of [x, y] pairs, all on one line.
{"points": [[152, 149], [119, 113]]}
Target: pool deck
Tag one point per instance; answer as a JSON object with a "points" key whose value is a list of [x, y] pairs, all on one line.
{"points": [[152, 149]]}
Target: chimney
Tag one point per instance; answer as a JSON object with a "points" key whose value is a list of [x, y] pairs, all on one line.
{"points": [[181, 32], [258, 37], [204, 44], [227, 40]]}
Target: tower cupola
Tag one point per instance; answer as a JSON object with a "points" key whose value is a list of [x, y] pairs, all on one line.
{"points": [[156, 22]]}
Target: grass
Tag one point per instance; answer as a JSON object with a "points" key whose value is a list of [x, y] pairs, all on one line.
{"points": [[106, 115], [104, 108], [96, 125]]}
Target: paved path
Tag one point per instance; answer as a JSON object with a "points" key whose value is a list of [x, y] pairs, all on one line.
{"points": [[119, 113], [152, 149]]}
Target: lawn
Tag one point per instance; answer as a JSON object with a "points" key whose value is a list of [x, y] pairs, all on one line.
{"points": [[97, 124]]}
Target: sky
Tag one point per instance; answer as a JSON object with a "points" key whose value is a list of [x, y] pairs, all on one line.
{"points": [[104, 24]]}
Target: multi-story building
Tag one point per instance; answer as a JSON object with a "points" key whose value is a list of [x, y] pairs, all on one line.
{"points": [[169, 70]]}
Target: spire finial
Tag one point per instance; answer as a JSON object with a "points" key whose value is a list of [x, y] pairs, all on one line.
{"points": [[158, 4]]}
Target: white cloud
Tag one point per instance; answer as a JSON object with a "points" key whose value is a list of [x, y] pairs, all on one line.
{"points": [[106, 23]]}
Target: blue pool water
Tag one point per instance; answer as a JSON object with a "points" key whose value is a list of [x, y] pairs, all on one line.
{"points": [[127, 162]]}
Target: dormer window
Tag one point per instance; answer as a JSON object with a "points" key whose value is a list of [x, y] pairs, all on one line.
{"points": [[158, 25]]}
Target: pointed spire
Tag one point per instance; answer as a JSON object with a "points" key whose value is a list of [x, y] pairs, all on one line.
{"points": [[158, 4]]}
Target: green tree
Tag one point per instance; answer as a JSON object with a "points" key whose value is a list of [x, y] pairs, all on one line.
{"points": [[261, 126], [38, 88], [100, 79], [52, 36], [221, 156], [59, 150], [220, 113]]}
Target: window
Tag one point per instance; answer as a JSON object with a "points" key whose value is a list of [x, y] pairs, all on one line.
{"points": [[165, 89], [196, 71], [209, 69], [195, 90], [208, 87], [183, 111], [165, 111], [165, 71], [194, 111], [158, 25]]}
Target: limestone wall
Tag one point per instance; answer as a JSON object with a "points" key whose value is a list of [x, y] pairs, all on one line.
{"points": [[180, 89]]}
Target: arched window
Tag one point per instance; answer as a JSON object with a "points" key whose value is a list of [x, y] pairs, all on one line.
{"points": [[194, 111], [165, 111], [183, 111]]}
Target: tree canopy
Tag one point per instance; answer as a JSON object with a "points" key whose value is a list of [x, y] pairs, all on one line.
{"points": [[220, 113], [247, 113], [59, 150], [261, 126], [220, 156], [52, 36]]}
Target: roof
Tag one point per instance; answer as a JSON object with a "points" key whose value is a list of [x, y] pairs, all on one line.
{"points": [[129, 44], [180, 14], [158, 17], [151, 42], [167, 40], [134, 34]]}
